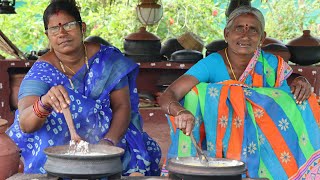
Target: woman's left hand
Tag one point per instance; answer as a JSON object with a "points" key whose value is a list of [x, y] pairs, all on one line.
{"points": [[301, 89]]}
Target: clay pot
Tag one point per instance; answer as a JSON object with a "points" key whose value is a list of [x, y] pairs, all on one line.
{"points": [[186, 55], [142, 46], [9, 153], [305, 40], [305, 50], [170, 46], [15, 81]]}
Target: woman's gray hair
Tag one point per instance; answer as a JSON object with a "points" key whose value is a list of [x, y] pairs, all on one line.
{"points": [[246, 10]]}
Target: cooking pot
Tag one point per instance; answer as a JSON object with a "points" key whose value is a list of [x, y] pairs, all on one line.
{"points": [[190, 168], [102, 161], [186, 55], [304, 55], [9, 153], [142, 46], [170, 46], [305, 50]]}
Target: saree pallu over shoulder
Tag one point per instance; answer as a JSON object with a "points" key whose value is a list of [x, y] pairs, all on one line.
{"points": [[91, 112], [260, 125]]}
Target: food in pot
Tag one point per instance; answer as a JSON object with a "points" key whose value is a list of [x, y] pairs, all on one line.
{"points": [[212, 162], [78, 148]]}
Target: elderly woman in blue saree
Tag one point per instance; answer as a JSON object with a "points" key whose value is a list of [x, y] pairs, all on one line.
{"points": [[238, 105], [99, 89]]}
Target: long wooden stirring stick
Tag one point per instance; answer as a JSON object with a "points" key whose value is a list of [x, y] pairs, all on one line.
{"points": [[67, 115]]}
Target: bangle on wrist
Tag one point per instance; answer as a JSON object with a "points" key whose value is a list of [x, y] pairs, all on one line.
{"points": [[47, 108], [182, 110], [169, 104], [109, 141], [37, 110], [303, 78]]}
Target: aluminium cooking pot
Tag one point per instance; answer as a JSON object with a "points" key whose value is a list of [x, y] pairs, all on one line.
{"points": [[190, 168], [102, 161]]}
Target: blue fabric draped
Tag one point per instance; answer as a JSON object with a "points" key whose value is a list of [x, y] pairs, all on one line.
{"points": [[91, 112]]}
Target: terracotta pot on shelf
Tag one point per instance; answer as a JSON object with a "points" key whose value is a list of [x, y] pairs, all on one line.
{"points": [[142, 46], [305, 50], [9, 153], [15, 81]]}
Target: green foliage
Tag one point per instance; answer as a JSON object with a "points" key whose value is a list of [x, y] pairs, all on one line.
{"points": [[285, 20]]}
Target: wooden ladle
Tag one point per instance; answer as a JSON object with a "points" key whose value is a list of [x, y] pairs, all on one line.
{"points": [[67, 115]]}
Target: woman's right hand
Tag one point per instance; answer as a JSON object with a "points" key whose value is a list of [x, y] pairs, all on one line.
{"points": [[184, 121], [57, 98]]}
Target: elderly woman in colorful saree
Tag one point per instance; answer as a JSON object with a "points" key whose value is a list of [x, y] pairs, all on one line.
{"points": [[238, 105], [97, 84]]}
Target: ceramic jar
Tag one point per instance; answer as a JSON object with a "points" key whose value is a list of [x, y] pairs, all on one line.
{"points": [[9, 153]]}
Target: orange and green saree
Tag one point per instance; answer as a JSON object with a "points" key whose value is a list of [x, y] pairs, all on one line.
{"points": [[254, 120]]}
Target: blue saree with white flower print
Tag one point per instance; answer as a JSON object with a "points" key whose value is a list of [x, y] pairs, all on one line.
{"points": [[91, 112]]}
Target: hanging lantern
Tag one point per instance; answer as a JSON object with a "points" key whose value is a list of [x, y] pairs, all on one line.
{"points": [[7, 7], [149, 12]]}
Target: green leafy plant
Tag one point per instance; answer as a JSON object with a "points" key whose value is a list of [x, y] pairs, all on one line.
{"points": [[285, 20]]}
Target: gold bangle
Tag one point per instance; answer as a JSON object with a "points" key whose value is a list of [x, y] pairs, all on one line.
{"points": [[182, 110], [168, 107], [303, 78]]}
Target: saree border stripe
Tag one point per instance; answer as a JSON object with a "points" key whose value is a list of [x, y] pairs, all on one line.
{"points": [[314, 159]]}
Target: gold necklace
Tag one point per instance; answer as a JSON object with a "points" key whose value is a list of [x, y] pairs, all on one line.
{"points": [[64, 70], [225, 52]]}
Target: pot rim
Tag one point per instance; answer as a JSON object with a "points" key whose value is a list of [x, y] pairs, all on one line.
{"points": [[53, 151], [183, 169]]}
